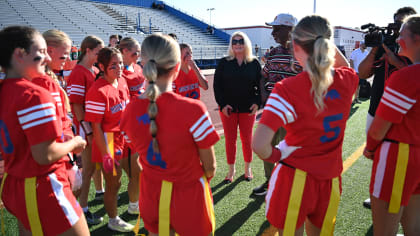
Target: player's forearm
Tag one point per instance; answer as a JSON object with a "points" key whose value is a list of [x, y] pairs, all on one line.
{"points": [[79, 112], [208, 161], [366, 66], [49, 152], [98, 136]]}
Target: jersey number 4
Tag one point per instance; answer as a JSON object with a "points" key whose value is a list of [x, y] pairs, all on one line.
{"points": [[328, 129], [154, 158], [5, 141]]}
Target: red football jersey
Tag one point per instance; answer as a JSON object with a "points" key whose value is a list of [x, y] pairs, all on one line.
{"points": [[318, 134], [105, 103], [399, 105], [135, 80], [79, 83], [49, 84], [186, 84], [27, 117], [184, 126]]}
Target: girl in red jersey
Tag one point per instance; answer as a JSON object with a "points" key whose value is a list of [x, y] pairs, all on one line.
{"points": [[393, 143], [105, 102], [35, 187], [189, 79], [58, 48], [130, 50], [80, 80], [174, 137], [313, 107]]}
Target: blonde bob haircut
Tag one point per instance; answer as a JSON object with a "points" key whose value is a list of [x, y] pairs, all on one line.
{"points": [[247, 47]]}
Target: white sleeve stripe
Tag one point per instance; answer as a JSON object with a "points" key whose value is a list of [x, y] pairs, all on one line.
{"points": [[393, 106], [57, 99], [99, 108], [282, 100], [80, 94], [397, 101], [95, 112], [78, 86], [402, 96], [36, 115], [95, 103], [276, 112], [55, 94], [280, 106], [36, 107], [39, 122], [203, 127], [204, 116], [209, 131], [77, 90]]}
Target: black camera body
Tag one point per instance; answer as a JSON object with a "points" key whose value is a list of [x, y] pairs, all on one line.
{"points": [[376, 36]]}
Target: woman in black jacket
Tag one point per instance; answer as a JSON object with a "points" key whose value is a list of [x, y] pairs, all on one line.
{"points": [[236, 89]]}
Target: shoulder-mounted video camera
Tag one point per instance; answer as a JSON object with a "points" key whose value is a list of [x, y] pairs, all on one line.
{"points": [[376, 36]]}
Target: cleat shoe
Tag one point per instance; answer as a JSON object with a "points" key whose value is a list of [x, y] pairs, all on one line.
{"points": [[99, 196], [120, 225], [366, 203], [133, 210], [261, 190], [93, 219]]}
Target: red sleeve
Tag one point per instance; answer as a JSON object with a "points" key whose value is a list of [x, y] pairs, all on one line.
{"points": [[398, 98], [77, 87], [202, 129], [37, 115], [95, 106], [278, 111]]}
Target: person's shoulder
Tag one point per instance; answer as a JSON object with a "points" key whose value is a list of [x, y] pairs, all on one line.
{"points": [[408, 73], [345, 70]]}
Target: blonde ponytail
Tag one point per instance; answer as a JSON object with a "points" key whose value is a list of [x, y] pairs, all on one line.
{"points": [[161, 54], [313, 34]]}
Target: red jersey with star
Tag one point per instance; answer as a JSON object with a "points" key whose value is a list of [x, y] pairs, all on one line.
{"points": [[186, 84], [184, 127], [27, 117], [400, 105], [318, 133], [106, 103], [135, 80]]}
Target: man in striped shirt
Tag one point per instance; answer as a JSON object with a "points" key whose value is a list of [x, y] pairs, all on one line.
{"points": [[280, 64]]}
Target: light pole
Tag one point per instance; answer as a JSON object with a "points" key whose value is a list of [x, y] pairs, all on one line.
{"points": [[210, 10], [314, 6]]}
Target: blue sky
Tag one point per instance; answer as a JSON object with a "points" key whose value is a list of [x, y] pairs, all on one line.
{"points": [[348, 13]]}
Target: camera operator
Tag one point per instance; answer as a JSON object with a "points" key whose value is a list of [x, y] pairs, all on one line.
{"points": [[381, 62]]}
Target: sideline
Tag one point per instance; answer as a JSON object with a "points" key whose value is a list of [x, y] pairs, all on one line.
{"points": [[271, 231]]}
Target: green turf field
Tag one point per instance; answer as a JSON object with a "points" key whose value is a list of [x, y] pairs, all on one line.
{"points": [[239, 213]]}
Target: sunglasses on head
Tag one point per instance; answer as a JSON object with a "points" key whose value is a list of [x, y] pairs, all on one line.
{"points": [[237, 41]]}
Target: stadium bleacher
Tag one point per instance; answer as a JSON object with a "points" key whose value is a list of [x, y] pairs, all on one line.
{"points": [[81, 18]]}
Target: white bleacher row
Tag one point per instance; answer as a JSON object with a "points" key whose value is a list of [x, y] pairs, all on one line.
{"points": [[82, 18]]}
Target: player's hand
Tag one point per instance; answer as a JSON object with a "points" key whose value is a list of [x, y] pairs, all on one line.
{"points": [[392, 58], [253, 109], [80, 144], [369, 154], [108, 163], [227, 110]]}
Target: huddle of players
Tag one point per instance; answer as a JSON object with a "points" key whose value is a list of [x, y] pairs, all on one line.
{"points": [[175, 152]]}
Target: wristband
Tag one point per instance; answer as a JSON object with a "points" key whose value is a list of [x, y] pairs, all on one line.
{"points": [[275, 156], [372, 144], [86, 127]]}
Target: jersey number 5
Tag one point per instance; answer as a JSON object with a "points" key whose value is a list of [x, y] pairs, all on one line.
{"points": [[5, 141], [328, 129]]}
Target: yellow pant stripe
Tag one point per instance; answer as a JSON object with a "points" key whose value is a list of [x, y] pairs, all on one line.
{"points": [[136, 228], [399, 178], [3, 230], [294, 202], [110, 140], [164, 208], [209, 205], [330, 216], [32, 206]]}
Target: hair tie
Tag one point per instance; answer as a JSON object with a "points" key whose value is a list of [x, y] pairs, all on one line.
{"points": [[152, 60], [151, 82], [153, 135], [318, 37]]}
